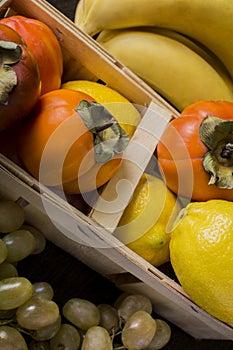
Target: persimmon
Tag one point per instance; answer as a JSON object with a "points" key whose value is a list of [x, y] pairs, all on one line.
{"points": [[44, 46], [195, 153], [69, 136], [20, 85]]}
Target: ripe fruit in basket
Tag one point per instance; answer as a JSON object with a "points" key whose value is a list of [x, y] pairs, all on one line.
{"points": [[70, 140], [210, 23], [44, 46], [201, 250], [113, 101], [195, 151], [178, 69], [146, 221], [19, 76]]}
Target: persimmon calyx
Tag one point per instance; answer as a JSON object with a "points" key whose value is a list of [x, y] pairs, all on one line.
{"points": [[10, 53], [108, 136], [217, 135]]}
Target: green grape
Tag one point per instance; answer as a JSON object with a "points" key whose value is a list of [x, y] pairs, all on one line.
{"points": [[11, 339], [3, 251], [14, 291], [132, 303], [20, 244], [47, 332], [109, 318], [161, 337], [67, 338], [97, 337], [43, 290], [82, 313], [11, 216], [37, 313], [38, 345], [138, 330], [39, 237], [8, 270], [119, 300]]}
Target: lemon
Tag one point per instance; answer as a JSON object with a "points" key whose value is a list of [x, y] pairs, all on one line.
{"points": [[145, 224], [121, 108], [201, 253]]}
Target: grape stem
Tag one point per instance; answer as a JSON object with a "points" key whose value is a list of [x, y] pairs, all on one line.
{"points": [[12, 323], [113, 335], [3, 322]]}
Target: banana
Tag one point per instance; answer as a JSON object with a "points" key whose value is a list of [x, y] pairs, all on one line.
{"points": [[199, 48], [176, 71], [207, 21]]}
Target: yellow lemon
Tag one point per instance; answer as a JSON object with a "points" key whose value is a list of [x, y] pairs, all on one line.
{"points": [[122, 109], [201, 252], [145, 224]]}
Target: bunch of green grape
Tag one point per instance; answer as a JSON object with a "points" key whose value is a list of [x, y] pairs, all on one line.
{"points": [[31, 320], [128, 324]]}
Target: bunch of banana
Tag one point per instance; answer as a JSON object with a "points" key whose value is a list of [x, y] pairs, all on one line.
{"points": [[182, 49], [209, 22], [176, 67]]}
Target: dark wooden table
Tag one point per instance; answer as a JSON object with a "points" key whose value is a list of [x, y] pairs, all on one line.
{"points": [[71, 278]]}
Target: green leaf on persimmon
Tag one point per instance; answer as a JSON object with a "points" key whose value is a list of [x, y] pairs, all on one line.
{"points": [[108, 136], [10, 54]]}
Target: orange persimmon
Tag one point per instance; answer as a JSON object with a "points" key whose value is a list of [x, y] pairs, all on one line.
{"points": [[19, 78], [195, 153], [44, 46], [68, 136]]}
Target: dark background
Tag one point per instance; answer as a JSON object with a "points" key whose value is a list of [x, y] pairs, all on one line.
{"points": [[70, 278]]}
